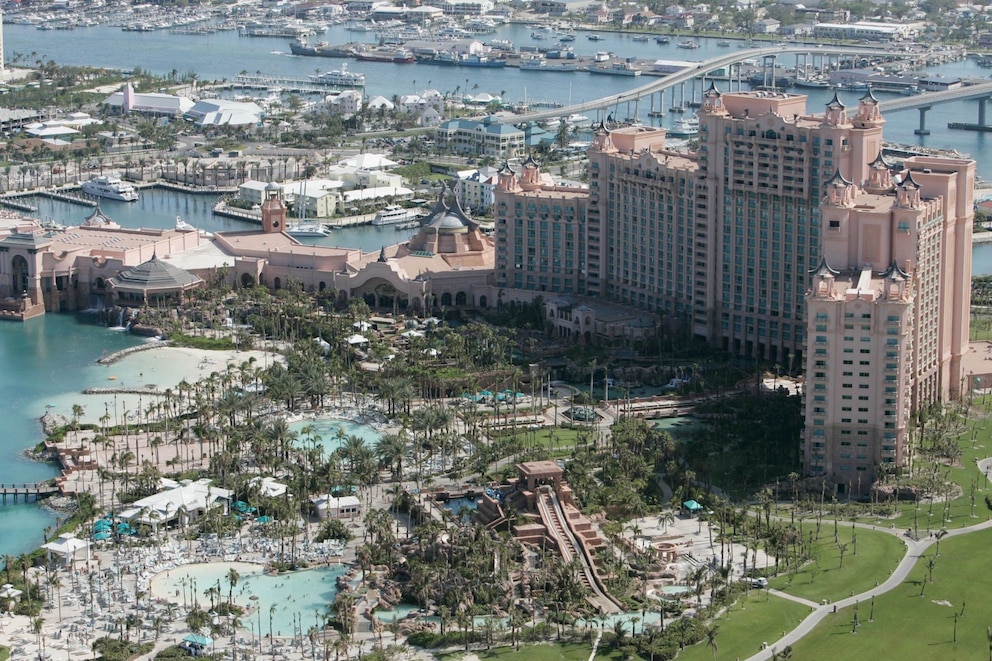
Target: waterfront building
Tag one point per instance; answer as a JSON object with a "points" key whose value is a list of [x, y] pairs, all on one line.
{"points": [[415, 104], [486, 138], [868, 30], [53, 271], [344, 103], [148, 103], [463, 7], [225, 112]]}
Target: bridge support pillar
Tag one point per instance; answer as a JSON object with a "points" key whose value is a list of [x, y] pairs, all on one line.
{"points": [[923, 130], [981, 110]]}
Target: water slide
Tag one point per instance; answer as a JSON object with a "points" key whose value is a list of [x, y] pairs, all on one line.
{"points": [[553, 517]]}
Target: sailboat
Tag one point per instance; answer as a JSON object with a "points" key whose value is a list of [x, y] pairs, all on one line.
{"points": [[303, 228]]}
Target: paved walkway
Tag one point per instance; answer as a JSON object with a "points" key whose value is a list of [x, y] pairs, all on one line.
{"points": [[914, 551]]}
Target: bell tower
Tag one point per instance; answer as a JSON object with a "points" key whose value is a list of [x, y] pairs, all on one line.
{"points": [[273, 210]]}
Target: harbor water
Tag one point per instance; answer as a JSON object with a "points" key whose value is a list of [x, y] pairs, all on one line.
{"points": [[221, 56]]}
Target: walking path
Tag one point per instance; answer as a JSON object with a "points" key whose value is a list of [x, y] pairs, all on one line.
{"points": [[914, 551]]}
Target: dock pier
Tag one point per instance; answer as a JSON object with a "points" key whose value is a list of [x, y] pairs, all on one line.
{"points": [[65, 196], [38, 490], [14, 202]]}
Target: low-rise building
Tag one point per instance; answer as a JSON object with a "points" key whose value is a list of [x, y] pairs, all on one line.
{"points": [[486, 138]]}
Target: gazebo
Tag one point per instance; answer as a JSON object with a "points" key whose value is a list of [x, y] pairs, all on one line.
{"points": [[152, 282], [692, 507], [67, 547]]}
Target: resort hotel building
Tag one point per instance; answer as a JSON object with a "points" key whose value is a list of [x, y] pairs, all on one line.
{"points": [[785, 236]]}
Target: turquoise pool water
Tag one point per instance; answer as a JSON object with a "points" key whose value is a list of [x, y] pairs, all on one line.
{"points": [[400, 612], [304, 595], [676, 589], [681, 427], [331, 432]]}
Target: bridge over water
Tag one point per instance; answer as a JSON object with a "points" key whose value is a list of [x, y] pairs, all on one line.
{"points": [[923, 102]]}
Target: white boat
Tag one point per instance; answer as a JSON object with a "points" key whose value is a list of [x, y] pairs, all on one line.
{"points": [[111, 187], [394, 214], [617, 69], [183, 226], [685, 128], [576, 118], [306, 229], [340, 77]]}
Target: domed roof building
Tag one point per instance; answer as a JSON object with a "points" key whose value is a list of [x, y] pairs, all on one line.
{"points": [[448, 262], [450, 233]]}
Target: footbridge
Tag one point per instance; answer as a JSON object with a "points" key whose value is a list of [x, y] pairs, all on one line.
{"points": [[982, 91]]}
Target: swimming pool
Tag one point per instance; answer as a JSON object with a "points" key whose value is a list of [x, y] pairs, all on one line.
{"points": [[331, 432], [303, 594]]}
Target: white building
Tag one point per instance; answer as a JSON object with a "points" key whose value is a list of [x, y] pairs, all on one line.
{"points": [[268, 487], [216, 112], [369, 161], [486, 138], [474, 189], [128, 101], [868, 30], [68, 548], [314, 198], [179, 501], [330, 507], [464, 7], [416, 104], [345, 103]]}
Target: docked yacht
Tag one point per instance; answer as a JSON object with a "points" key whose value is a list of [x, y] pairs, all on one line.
{"points": [[111, 187], [684, 128], [307, 229], [183, 226], [339, 77], [394, 214]]}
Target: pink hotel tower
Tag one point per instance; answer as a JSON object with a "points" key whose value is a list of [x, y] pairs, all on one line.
{"points": [[785, 236]]}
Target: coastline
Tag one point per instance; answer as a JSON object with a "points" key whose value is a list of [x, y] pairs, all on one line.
{"points": [[112, 358]]}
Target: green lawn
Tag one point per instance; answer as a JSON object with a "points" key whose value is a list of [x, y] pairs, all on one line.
{"points": [[909, 626], [878, 554], [539, 652], [752, 621], [553, 438]]}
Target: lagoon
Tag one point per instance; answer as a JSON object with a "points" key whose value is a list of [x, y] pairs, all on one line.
{"points": [[304, 594], [330, 433]]}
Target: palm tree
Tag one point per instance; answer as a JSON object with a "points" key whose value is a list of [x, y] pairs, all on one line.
{"points": [[711, 633], [940, 534], [36, 625], [232, 578]]}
